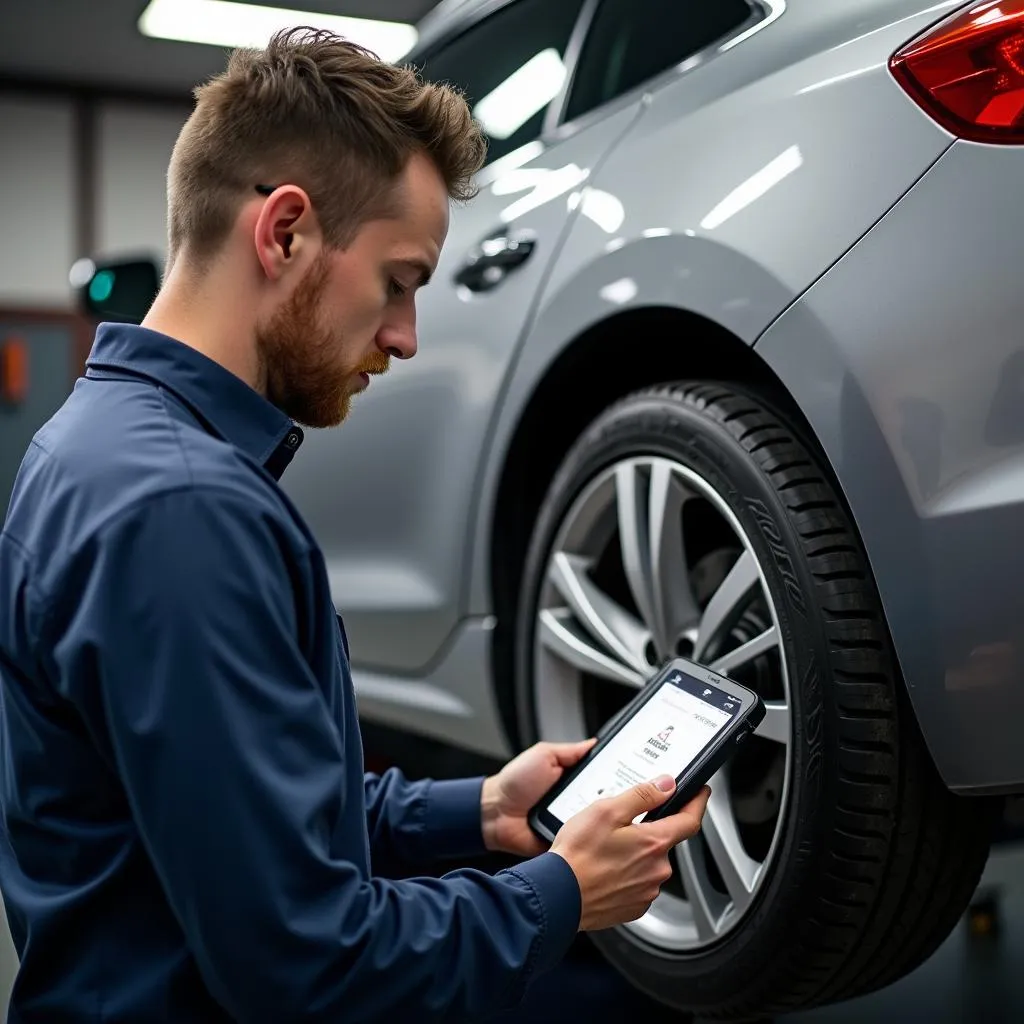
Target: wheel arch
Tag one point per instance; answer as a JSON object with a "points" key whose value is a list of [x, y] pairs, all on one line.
{"points": [[585, 377]]}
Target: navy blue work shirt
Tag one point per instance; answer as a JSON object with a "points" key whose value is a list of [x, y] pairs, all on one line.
{"points": [[188, 831]]}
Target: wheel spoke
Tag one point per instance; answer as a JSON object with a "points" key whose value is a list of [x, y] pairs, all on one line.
{"points": [[775, 725], [636, 553], [737, 868], [697, 892], [608, 622], [727, 602], [675, 605], [761, 644], [560, 634], [650, 501]]}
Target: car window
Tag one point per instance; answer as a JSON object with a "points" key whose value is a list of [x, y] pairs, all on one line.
{"points": [[633, 40], [510, 67]]}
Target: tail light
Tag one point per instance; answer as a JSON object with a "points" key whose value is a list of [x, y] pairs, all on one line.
{"points": [[967, 72]]}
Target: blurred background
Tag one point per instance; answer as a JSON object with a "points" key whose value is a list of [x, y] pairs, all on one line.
{"points": [[92, 96]]}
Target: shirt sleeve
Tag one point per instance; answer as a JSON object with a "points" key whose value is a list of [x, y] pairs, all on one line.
{"points": [[424, 822], [186, 624]]}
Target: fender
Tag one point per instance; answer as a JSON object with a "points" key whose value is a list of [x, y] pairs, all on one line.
{"points": [[725, 200]]}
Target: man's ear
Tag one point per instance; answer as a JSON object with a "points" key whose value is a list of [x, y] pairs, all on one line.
{"points": [[286, 234]]}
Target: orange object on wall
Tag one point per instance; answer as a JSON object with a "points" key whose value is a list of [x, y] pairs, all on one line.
{"points": [[13, 370]]}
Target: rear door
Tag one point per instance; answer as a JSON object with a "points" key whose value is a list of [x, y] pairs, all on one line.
{"points": [[390, 494]]}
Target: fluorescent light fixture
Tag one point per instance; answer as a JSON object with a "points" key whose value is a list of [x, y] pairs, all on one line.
{"points": [[507, 107], [754, 187], [230, 24]]}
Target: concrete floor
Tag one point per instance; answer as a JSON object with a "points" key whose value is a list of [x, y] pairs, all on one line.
{"points": [[971, 979]]}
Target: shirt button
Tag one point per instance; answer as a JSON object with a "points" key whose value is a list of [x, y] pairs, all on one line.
{"points": [[292, 440]]}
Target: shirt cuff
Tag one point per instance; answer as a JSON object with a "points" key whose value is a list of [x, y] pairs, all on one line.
{"points": [[452, 821], [557, 893]]}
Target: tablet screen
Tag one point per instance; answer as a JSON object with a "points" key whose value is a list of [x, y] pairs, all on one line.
{"points": [[665, 735]]}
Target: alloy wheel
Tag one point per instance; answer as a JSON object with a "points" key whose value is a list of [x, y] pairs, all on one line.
{"points": [[650, 562]]}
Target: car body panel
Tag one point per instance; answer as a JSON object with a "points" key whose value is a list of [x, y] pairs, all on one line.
{"points": [[655, 231], [452, 701], [778, 196], [448, 15], [395, 540], [907, 358]]}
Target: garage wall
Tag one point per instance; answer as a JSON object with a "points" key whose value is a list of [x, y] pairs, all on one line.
{"points": [[133, 147], [37, 193], [80, 175]]}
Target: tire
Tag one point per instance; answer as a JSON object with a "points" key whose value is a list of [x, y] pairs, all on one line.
{"points": [[874, 859]]}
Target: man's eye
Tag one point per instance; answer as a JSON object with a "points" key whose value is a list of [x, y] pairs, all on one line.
{"points": [[396, 288]]}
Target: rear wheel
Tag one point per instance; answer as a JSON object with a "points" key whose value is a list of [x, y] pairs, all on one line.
{"points": [[691, 519]]}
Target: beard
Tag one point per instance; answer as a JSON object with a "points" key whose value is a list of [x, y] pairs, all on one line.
{"points": [[306, 375]]}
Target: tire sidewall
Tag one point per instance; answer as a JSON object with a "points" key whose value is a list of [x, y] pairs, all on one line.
{"points": [[675, 427]]}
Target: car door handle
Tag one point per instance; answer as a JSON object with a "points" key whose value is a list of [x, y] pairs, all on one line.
{"points": [[491, 261]]}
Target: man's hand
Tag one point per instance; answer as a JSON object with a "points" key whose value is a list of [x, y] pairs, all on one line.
{"points": [[508, 796], [620, 866]]}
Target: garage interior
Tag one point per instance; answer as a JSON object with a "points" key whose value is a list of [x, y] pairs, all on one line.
{"points": [[90, 108]]}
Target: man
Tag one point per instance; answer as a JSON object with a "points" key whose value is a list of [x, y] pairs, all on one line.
{"points": [[189, 833]]}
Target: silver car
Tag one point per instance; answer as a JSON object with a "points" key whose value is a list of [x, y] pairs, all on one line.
{"points": [[727, 360]]}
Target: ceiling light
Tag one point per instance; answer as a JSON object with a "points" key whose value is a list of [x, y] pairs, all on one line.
{"points": [[230, 24]]}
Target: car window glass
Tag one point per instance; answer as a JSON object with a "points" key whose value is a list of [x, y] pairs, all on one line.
{"points": [[633, 40], [510, 67]]}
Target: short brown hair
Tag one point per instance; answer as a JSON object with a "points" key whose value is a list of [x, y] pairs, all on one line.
{"points": [[317, 111]]}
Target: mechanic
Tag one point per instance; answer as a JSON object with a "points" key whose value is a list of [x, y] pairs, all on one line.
{"points": [[190, 835]]}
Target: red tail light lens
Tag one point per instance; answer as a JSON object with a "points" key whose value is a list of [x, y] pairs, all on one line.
{"points": [[967, 72]]}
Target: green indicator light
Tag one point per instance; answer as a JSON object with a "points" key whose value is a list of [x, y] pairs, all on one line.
{"points": [[101, 286]]}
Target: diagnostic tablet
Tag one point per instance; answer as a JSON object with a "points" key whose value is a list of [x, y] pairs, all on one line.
{"points": [[686, 722]]}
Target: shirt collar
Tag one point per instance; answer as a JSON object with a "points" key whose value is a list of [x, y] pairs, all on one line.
{"points": [[230, 407]]}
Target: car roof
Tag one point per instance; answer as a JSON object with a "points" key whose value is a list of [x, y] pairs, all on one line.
{"points": [[445, 16]]}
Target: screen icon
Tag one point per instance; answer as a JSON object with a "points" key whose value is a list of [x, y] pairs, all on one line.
{"points": [[729, 707], [707, 693]]}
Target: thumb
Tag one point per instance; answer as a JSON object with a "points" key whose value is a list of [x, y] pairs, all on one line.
{"points": [[644, 796], [567, 754]]}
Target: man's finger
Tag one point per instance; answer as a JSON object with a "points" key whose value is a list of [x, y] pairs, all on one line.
{"points": [[643, 797], [685, 823], [569, 753]]}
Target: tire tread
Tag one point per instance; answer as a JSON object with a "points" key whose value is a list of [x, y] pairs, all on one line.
{"points": [[899, 922]]}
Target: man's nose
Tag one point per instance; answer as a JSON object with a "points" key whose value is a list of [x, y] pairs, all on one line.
{"points": [[399, 342]]}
